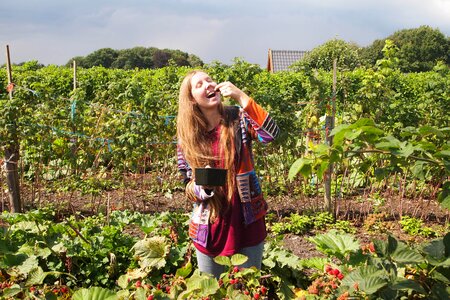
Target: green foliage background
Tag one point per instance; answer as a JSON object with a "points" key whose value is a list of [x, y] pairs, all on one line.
{"points": [[123, 120]]}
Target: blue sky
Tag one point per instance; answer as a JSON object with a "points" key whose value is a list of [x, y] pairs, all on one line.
{"points": [[53, 31]]}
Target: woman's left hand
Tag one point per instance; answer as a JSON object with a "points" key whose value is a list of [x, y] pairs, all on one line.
{"points": [[227, 89]]}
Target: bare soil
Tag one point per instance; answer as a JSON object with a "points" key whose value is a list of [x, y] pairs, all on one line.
{"points": [[358, 210]]}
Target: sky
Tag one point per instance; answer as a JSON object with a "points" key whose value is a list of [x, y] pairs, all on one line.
{"points": [[54, 31]]}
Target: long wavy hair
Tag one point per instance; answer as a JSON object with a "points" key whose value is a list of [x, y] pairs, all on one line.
{"points": [[195, 142]]}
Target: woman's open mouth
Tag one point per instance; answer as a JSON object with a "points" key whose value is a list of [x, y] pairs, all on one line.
{"points": [[211, 94]]}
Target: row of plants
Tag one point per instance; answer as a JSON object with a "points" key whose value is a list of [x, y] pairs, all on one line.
{"points": [[119, 121], [129, 255], [423, 154]]}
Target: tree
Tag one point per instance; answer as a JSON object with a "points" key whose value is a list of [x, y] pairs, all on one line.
{"points": [[322, 56], [194, 61], [137, 57], [419, 49], [102, 57]]}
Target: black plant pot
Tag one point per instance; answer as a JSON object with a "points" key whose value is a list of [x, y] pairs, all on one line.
{"points": [[210, 176]]}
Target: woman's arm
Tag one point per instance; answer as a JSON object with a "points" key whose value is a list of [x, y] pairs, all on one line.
{"points": [[260, 125]]}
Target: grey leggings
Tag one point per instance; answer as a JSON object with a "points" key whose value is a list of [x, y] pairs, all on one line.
{"points": [[206, 263]]}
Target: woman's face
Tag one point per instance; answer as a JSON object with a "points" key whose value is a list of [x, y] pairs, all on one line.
{"points": [[203, 91]]}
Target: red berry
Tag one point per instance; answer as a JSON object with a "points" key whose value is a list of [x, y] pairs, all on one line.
{"points": [[328, 268], [138, 284], [340, 276], [64, 289], [150, 297], [263, 290], [372, 247], [158, 286], [246, 292], [256, 296], [336, 272], [167, 289], [235, 269]]}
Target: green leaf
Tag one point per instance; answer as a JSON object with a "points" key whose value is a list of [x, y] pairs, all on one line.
{"points": [[302, 166], [440, 291], [418, 170], [363, 122], [11, 291], [368, 278], [184, 271], [94, 293], [334, 243], [339, 134], [351, 135], [397, 251], [28, 226], [238, 259], [407, 256], [140, 294], [372, 130], [285, 291], [322, 168], [447, 244], [123, 282], [35, 251], [443, 153], [223, 260], [444, 195], [36, 276], [407, 284], [29, 264], [406, 150], [321, 150], [388, 142], [428, 130], [151, 252], [435, 249], [436, 275], [315, 262], [203, 284]]}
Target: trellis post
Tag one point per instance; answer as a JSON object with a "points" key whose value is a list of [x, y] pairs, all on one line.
{"points": [[329, 125], [12, 154]]}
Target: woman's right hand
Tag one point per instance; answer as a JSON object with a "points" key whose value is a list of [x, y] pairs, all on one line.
{"points": [[227, 89]]}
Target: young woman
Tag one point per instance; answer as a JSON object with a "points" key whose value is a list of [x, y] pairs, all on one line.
{"points": [[229, 219]]}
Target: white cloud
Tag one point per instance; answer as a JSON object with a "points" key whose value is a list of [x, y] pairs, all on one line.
{"points": [[54, 31]]}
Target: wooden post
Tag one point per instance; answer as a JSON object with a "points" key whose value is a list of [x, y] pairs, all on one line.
{"points": [[8, 70], [74, 139], [74, 74], [329, 125], [12, 156]]}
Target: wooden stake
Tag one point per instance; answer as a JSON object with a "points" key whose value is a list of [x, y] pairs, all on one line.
{"points": [[12, 157], [329, 125], [74, 74], [8, 69]]}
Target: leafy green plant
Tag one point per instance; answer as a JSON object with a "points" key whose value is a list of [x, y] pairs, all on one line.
{"points": [[389, 269], [414, 226]]}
